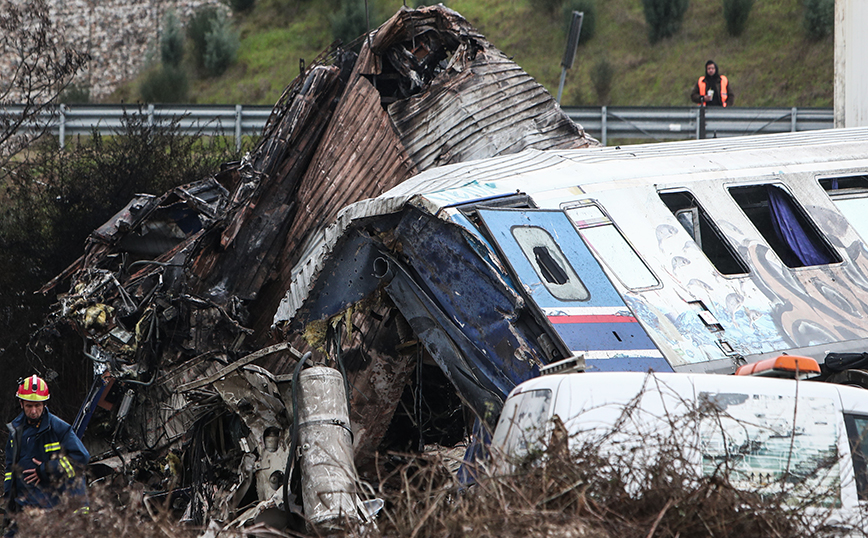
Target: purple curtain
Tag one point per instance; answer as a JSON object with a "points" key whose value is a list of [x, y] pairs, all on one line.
{"points": [[805, 247]]}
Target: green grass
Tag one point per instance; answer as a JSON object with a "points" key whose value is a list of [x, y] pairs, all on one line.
{"points": [[771, 64]]}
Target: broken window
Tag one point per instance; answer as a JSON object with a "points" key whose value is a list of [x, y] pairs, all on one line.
{"points": [[784, 225], [550, 264], [850, 196], [610, 246], [514, 201], [704, 232]]}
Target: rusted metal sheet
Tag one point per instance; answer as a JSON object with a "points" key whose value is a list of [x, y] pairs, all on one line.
{"points": [[174, 295]]}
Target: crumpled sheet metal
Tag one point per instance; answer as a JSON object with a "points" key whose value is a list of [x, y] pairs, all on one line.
{"points": [[253, 394], [176, 287]]}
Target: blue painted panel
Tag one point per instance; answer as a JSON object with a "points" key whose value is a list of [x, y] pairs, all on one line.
{"points": [[501, 222], [601, 336], [605, 328], [628, 364]]}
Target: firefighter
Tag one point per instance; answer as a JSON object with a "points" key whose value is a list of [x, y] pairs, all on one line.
{"points": [[45, 460]]}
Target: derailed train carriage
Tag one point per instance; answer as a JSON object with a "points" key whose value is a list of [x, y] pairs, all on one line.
{"points": [[435, 293], [694, 256]]}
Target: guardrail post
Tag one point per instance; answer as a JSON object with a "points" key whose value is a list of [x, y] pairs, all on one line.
{"points": [[793, 116], [62, 109], [150, 115], [700, 124], [603, 115], [238, 128]]}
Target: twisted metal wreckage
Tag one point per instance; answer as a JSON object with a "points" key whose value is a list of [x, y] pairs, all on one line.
{"points": [[195, 307]]}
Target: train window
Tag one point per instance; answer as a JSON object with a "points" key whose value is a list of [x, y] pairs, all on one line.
{"points": [[784, 225], [704, 232], [601, 236], [850, 196], [550, 264]]}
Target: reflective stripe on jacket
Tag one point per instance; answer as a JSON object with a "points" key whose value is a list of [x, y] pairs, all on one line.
{"points": [[724, 87], [62, 456]]}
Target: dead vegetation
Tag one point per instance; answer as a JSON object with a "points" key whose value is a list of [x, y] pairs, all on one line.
{"points": [[556, 494]]}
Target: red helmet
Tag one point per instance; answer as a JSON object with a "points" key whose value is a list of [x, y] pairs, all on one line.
{"points": [[33, 389]]}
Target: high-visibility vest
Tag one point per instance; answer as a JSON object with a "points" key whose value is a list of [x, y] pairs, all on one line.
{"points": [[724, 86]]}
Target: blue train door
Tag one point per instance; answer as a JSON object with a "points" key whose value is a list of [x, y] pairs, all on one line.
{"points": [[557, 271]]}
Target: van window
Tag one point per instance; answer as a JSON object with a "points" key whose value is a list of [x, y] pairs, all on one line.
{"points": [[850, 196], [704, 232], [601, 235], [857, 432], [527, 414], [550, 264], [784, 225]]}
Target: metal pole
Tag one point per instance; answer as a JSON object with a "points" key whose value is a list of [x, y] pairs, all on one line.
{"points": [[561, 84], [62, 125], [570, 51], [793, 116], [604, 124], [701, 134], [238, 128]]}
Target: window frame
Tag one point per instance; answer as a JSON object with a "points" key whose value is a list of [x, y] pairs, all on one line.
{"points": [[561, 257], [609, 221], [700, 211], [798, 208]]}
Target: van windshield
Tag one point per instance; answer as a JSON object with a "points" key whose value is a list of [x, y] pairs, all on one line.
{"points": [[523, 423]]}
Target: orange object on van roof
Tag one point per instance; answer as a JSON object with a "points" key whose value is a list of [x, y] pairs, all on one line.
{"points": [[782, 366]]}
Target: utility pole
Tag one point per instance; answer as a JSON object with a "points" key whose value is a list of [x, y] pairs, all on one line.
{"points": [[570, 52]]}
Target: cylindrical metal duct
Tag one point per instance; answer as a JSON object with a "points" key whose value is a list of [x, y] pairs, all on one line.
{"points": [[328, 473]]}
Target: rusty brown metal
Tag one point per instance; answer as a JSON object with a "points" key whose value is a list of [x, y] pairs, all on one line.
{"points": [[169, 319]]}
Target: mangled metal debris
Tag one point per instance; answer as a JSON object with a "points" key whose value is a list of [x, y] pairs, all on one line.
{"points": [[176, 297]]}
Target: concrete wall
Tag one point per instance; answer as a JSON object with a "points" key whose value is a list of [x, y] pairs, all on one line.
{"points": [[851, 69], [117, 34]]}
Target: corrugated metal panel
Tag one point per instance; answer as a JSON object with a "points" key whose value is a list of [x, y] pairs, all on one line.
{"points": [[359, 157], [491, 107]]}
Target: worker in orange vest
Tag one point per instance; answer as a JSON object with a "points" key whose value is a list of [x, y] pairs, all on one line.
{"points": [[713, 89]]}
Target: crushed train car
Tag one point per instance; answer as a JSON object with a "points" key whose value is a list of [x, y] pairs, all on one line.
{"points": [[175, 298]]}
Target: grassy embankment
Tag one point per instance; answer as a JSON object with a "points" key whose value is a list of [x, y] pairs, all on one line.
{"points": [[770, 64]]}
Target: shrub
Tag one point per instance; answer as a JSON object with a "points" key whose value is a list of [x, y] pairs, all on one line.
{"points": [[75, 94], [819, 18], [602, 74], [663, 17], [589, 22], [172, 41], [240, 5], [350, 22], [736, 13], [166, 84], [197, 29], [547, 6], [221, 44], [51, 202]]}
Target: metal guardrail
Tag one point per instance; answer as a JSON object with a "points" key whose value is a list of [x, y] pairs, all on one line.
{"points": [[209, 120], [603, 123], [681, 123]]}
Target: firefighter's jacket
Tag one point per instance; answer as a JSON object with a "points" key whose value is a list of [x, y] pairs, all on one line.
{"points": [[63, 458]]}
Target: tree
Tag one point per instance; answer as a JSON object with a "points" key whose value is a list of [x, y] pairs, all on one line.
{"points": [[663, 17], [221, 45], [736, 13], [172, 41], [38, 67]]}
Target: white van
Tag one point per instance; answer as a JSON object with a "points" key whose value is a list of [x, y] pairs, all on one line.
{"points": [[765, 433]]}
